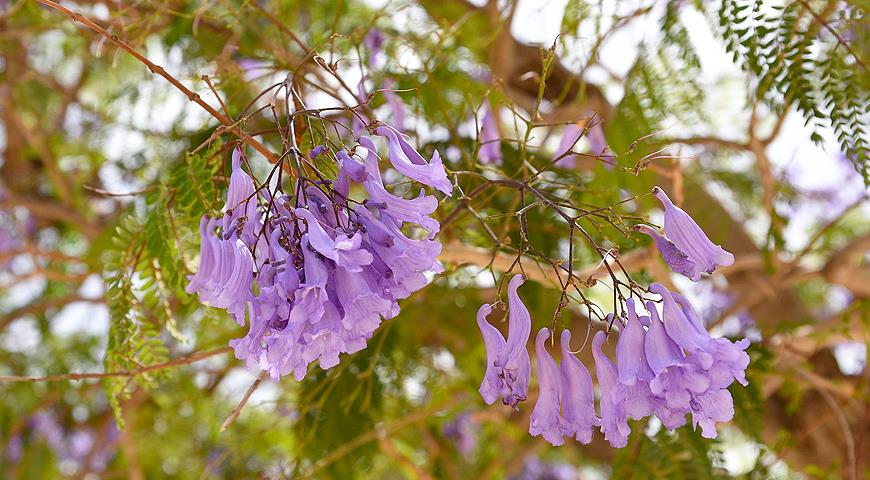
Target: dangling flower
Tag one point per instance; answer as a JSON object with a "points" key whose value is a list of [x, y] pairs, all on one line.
{"points": [[317, 151], [634, 374], [494, 342], [508, 367], [570, 137], [578, 401], [416, 210], [410, 163], [343, 250], [677, 259], [614, 424], [699, 379], [241, 216], [514, 359], [729, 358], [630, 357], [374, 42], [726, 361], [209, 258], [490, 139], [687, 237], [711, 407], [545, 419], [676, 380]]}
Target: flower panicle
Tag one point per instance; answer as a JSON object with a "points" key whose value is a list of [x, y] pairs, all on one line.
{"points": [[314, 274]]}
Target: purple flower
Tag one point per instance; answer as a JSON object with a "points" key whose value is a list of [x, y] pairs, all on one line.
{"points": [[317, 151], [241, 217], [397, 107], [514, 359], [494, 343], [675, 258], [699, 377], [614, 424], [463, 431], [508, 367], [253, 68], [546, 419], [490, 139], [570, 137], [633, 372], [14, 449], [401, 261], [374, 42], [343, 250], [578, 403], [535, 469], [410, 163], [676, 381], [595, 137], [327, 272], [729, 358], [225, 274], [416, 210], [711, 407], [699, 254], [572, 134]]}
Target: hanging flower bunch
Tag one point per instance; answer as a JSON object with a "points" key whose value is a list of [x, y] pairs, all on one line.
{"points": [[314, 272], [667, 364]]}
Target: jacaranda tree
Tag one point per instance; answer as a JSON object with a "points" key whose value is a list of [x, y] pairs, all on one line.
{"points": [[434, 239]]}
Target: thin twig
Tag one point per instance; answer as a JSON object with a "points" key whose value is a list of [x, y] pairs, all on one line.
{"points": [[158, 70], [238, 410], [196, 357]]}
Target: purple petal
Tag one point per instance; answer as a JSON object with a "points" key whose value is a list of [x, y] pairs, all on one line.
{"points": [[681, 229], [630, 356], [494, 343], [578, 402], [678, 260], [545, 419], [490, 139], [410, 163], [614, 425], [677, 325], [661, 351]]}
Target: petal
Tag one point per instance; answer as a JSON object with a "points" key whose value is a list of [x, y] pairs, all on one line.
{"points": [[690, 238], [630, 356], [494, 343], [545, 419], [661, 351], [578, 401], [410, 163], [677, 325], [676, 259], [489, 138]]}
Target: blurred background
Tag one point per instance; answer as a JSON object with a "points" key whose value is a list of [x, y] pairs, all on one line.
{"points": [[751, 113]]}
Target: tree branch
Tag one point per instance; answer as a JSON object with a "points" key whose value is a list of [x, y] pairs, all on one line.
{"points": [[196, 357]]}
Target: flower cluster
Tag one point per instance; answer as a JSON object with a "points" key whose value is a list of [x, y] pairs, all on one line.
{"points": [[315, 272], [667, 364]]}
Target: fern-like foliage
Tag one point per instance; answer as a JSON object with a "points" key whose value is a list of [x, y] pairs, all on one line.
{"points": [[145, 274], [795, 58]]}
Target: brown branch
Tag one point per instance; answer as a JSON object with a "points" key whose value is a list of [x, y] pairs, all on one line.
{"points": [[225, 122], [238, 410], [380, 431], [52, 211], [455, 252], [196, 357], [833, 32]]}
